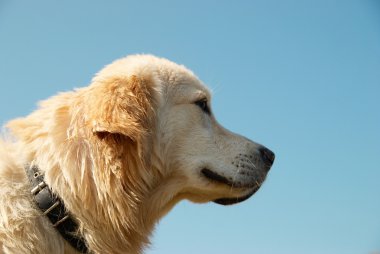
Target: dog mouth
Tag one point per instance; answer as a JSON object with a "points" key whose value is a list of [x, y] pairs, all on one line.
{"points": [[215, 177]]}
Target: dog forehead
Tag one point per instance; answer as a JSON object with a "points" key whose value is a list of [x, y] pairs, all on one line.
{"points": [[188, 92], [169, 78], [175, 80]]}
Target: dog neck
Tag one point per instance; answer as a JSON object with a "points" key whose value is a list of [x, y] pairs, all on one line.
{"points": [[104, 227]]}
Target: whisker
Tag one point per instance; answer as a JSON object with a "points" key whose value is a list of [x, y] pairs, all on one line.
{"points": [[253, 164], [234, 177]]}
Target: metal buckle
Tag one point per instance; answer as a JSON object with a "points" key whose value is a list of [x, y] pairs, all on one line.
{"points": [[61, 220], [38, 188], [51, 208]]}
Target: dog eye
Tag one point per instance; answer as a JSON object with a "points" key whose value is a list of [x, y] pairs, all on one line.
{"points": [[203, 105]]}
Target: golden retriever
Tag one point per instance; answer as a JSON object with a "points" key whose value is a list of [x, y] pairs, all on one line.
{"points": [[121, 153]]}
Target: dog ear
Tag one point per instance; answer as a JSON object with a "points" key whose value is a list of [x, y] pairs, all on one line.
{"points": [[121, 105]]}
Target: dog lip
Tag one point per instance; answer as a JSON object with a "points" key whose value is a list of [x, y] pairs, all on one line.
{"points": [[232, 201], [216, 177], [221, 179]]}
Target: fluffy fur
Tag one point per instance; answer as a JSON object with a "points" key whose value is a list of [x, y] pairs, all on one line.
{"points": [[120, 153]]}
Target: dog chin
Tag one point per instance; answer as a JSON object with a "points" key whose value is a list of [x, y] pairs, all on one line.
{"points": [[235, 200]]}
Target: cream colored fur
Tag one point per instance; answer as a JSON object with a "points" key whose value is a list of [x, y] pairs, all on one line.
{"points": [[120, 153]]}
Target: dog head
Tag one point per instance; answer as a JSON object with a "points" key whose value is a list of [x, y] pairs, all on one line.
{"points": [[171, 108]]}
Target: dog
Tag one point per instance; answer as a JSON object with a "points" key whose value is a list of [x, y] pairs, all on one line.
{"points": [[115, 157]]}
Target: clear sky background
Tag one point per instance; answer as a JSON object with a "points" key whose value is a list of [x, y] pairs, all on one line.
{"points": [[300, 76]]}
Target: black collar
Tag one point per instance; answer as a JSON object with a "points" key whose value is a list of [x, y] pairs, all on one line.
{"points": [[54, 208]]}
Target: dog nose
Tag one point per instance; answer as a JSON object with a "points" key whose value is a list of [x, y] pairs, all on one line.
{"points": [[267, 156]]}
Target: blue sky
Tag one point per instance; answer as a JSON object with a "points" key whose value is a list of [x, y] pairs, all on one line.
{"points": [[301, 77]]}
